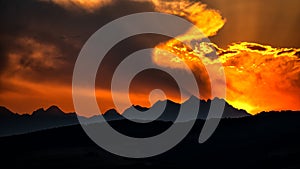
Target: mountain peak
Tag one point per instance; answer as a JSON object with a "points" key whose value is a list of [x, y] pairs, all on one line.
{"points": [[111, 111], [54, 108], [192, 99], [140, 108], [218, 99], [38, 111], [51, 111], [5, 111], [112, 114]]}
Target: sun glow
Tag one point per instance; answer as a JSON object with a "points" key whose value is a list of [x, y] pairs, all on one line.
{"points": [[87, 5], [258, 77]]}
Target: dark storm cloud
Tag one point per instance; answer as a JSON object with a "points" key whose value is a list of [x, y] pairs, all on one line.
{"points": [[46, 24], [123, 49], [3, 58]]}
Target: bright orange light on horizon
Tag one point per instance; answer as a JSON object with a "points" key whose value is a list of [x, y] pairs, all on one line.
{"points": [[258, 77]]}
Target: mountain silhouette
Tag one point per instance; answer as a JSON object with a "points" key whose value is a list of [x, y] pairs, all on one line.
{"points": [[52, 117], [5, 113], [167, 108], [171, 109], [112, 114], [52, 111], [12, 123]]}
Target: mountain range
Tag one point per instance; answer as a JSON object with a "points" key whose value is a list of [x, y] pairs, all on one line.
{"points": [[266, 140], [12, 123]]}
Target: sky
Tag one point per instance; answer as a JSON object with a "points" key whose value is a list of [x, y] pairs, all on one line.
{"points": [[257, 42]]}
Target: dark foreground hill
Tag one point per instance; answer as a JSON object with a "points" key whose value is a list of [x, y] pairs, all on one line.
{"points": [[267, 141]]}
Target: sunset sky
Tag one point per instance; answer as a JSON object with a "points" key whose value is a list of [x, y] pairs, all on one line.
{"points": [[258, 43]]}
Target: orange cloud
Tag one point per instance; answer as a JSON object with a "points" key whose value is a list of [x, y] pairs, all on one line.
{"points": [[262, 78], [87, 5], [258, 77], [208, 20], [35, 54], [172, 53]]}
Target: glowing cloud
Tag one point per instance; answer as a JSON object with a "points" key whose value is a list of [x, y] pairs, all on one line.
{"points": [[262, 78], [87, 5], [208, 20], [258, 77]]}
